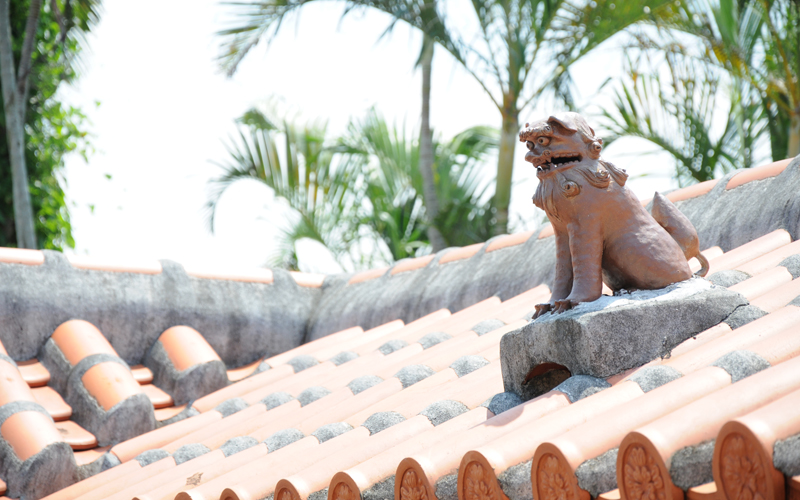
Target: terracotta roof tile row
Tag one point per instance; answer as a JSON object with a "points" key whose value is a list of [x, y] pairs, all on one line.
{"points": [[416, 409]]}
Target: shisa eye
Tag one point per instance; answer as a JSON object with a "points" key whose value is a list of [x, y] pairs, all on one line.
{"points": [[544, 141], [530, 145]]}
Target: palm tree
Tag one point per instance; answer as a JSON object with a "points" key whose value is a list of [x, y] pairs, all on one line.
{"points": [[366, 187], [757, 41], [675, 111], [299, 166], [396, 207], [261, 19], [523, 51]]}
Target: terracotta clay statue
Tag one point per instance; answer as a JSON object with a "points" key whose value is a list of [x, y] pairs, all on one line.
{"points": [[602, 231]]}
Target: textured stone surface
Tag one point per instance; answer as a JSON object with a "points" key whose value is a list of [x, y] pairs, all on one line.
{"points": [[743, 315], [728, 277], [363, 383], [382, 420], [447, 487], [236, 444], [599, 474], [786, 455], [392, 345], [103, 463], [487, 325], [330, 431], [653, 377], [302, 362], [189, 451], [231, 406], [578, 387], [282, 438], [312, 394], [433, 338], [381, 490], [276, 399], [502, 401], [189, 384], [468, 364], [516, 481], [411, 374], [691, 466], [792, 264], [613, 334], [50, 470], [242, 321], [442, 411], [343, 357], [741, 364], [148, 457]]}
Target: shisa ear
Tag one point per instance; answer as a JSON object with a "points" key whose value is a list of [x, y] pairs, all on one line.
{"points": [[563, 123]]}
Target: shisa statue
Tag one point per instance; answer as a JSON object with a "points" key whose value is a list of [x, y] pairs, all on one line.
{"points": [[602, 231]]}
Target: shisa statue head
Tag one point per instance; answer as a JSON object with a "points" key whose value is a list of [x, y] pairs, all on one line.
{"points": [[602, 231]]}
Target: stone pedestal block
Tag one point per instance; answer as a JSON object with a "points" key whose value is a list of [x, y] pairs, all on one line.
{"points": [[610, 335]]}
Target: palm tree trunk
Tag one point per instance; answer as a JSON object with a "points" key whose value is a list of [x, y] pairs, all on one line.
{"points": [[509, 135], [794, 135], [14, 100], [426, 149]]}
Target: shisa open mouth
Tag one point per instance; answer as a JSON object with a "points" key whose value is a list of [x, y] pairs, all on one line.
{"points": [[559, 160]]}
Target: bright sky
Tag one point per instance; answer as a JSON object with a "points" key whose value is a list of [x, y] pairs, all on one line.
{"points": [[165, 111]]}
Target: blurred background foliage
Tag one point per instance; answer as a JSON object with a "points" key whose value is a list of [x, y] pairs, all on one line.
{"points": [[714, 83], [52, 129]]}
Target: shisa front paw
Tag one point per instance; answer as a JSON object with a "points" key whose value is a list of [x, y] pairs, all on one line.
{"points": [[542, 309]]}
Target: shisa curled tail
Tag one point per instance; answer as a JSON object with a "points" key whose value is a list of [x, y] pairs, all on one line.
{"points": [[680, 228]]}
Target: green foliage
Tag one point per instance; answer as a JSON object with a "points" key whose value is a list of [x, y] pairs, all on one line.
{"points": [[758, 43], [359, 195], [393, 182], [52, 129], [677, 110]]}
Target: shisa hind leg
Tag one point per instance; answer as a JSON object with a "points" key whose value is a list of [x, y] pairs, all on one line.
{"points": [[586, 247], [562, 284]]}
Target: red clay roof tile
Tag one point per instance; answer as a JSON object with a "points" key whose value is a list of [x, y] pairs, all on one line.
{"points": [[749, 251], [692, 191], [760, 284], [186, 347], [237, 374], [605, 431], [547, 231], [109, 383], [509, 240], [412, 264], [251, 275], [183, 472], [21, 256], [698, 422], [88, 485], [28, 433], [460, 253], [308, 280], [370, 274], [231, 421], [75, 435], [119, 484], [168, 412], [78, 339], [52, 402], [758, 173], [778, 297], [2, 486], [33, 372], [770, 260], [159, 398], [112, 265], [706, 491], [85, 457], [12, 386], [129, 449], [142, 374], [750, 439]]}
